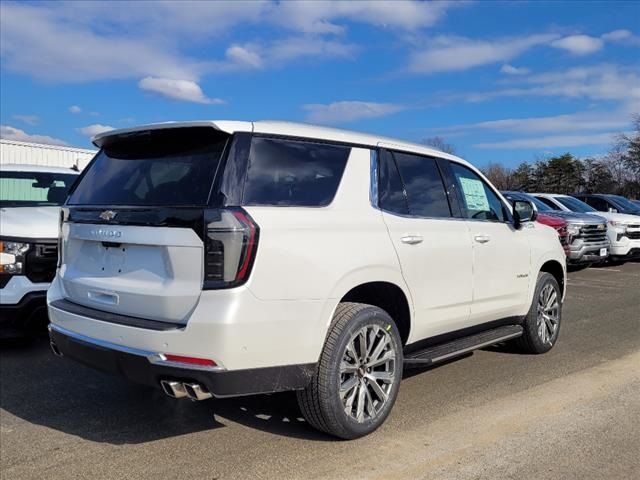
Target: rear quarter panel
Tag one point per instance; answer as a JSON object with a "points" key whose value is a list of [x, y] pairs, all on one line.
{"points": [[321, 253]]}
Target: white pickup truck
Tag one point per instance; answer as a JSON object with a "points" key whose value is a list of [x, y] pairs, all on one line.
{"points": [[30, 199]]}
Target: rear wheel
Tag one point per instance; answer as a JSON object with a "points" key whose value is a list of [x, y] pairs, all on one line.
{"points": [[542, 323], [358, 376]]}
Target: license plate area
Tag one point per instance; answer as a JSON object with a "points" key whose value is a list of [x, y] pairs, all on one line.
{"points": [[114, 259], [603, 252]]}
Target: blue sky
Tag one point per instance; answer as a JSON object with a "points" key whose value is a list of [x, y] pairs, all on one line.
{"points": [[502, 81]]}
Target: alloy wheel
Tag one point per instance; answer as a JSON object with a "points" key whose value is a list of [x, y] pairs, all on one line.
{"points": [[548, 314], [367, 373]]}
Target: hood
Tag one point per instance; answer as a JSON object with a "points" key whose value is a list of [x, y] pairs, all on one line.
{"points": [[29, 222], [618, 217], [576, 217]]}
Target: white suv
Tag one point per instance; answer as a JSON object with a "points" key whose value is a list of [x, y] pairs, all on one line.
{"points": [[30, 199], [233, 258]]}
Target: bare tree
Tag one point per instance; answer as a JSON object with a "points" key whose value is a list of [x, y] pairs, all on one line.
{"points": [[502, 177], [439, 144]]}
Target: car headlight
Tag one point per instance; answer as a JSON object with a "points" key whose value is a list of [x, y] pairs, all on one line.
{"points": [[12, 257], [618, 226], [573, 230]]}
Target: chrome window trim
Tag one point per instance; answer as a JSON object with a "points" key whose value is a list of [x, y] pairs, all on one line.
{"points": [[373, 179]]}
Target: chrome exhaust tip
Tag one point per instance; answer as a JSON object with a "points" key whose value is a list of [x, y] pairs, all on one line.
{"points": [[55, 350], [196, 391], [173, 389]]}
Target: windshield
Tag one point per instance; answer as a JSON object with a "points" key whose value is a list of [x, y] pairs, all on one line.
{"points": [[159, 167], [575, 205], [34, 189], [623, 202]]}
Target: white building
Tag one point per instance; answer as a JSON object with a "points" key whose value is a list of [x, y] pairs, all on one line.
{"points": [[28, 153]]}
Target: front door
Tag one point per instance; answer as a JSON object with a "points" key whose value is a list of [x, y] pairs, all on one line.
{"points": [[501, 253]]}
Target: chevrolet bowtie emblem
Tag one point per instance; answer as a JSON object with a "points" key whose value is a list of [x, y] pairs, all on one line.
{"points": [[108, 215]]}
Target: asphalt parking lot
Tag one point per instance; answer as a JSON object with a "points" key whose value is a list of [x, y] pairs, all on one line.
{"points": [[573, 413]]}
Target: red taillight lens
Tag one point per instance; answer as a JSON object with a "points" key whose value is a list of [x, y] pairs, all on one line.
{"points": [[231, 242], [203, 362]]}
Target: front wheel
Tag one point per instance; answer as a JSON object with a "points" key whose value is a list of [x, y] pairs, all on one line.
{"points": [[358, 376], [542, 323]]}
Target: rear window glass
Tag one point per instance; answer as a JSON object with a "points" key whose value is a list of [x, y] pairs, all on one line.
{"points": [[293, 173], [158, 167]]}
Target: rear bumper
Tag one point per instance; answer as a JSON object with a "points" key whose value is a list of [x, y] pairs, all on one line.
{"points": [[137, 366]]}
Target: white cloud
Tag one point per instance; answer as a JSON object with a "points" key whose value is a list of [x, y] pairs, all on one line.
{"points": [[11, 133], [184, 90], [348, 111], [95, 129], [579, 44], [290, 49], [551, 141], [88, 41], [617, 35], [511, 70], [244, 56], [320, 17], [595, 82], [623, 37], [75, 109], [573, 122], [48, 42], [448, 54], [28, 119]]}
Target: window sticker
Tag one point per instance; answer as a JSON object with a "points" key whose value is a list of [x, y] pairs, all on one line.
{"points": [[474, 194]]}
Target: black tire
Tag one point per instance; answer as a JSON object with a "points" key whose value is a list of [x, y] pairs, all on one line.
{"points": [[531, 340], [320, 402]]}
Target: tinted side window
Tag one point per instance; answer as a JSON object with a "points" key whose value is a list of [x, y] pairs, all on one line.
{"points": [[422, 181], [293, 173], [480, 202], [391, 193], [549, 203], [597, 203]]}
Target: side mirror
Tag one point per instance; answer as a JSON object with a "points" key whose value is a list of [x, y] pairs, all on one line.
{"points": [[523, 211], [612, 210]]}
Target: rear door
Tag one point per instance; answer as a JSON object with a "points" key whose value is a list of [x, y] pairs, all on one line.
{"points": [[432, 243], [501, 253], [132, 239]]}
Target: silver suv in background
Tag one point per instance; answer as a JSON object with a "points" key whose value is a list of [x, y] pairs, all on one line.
{"points": [[623, 230], [588, 242]]}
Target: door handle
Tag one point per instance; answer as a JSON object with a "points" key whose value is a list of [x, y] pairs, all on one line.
{"points": [[412, 239], [482, 238]]}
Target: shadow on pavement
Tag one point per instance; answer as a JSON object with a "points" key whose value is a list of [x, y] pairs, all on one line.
{"points": [[62, 395]]}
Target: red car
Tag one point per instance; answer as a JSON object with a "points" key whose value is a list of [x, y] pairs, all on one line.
{"points": [[561, 227]]}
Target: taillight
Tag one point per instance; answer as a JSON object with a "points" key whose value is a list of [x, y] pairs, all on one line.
{"points": [[231, 242]]}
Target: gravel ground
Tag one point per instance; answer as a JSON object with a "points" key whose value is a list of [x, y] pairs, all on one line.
{"points": [[573, 413]]}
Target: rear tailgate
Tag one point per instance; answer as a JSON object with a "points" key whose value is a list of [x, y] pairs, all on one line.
{"points": [[132, 236], [147, 272]]}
